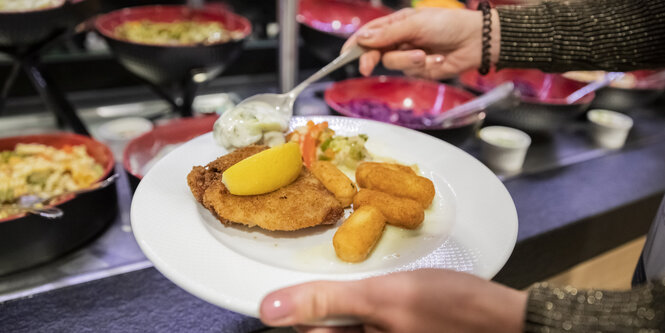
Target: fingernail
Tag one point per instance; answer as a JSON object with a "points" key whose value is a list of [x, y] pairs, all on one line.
{"points": [[417, 57], [276, 310], [438, 59], [367, 34]]}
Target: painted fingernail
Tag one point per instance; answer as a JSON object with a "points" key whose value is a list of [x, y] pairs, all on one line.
{"points": [[276, 310], [367, 34], [417, 57]]}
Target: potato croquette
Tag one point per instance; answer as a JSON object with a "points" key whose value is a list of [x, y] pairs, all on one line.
{"points": [[335, 181], [358, 235], [393, 166], [375, 176], [400, 212]]}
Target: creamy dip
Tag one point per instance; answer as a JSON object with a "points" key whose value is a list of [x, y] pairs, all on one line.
{"points": [[250, 123]]}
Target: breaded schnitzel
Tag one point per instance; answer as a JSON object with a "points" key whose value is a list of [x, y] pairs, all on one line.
{"points": [[301, 204]]}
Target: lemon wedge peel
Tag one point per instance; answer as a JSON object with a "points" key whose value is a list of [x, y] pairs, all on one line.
{"points": [[264, 172]]}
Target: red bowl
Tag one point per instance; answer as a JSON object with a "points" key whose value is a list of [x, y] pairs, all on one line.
{"points": [[398, 100], [32, 10], [27, 240], [535, 86], [627, 99], [97, 150], [19, 29], [165, 64], [107, 23], [338, 17], [641, 82], [143, 149]]}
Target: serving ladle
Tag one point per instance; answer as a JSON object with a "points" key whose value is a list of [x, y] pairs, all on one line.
{"points": [[284, 102]]}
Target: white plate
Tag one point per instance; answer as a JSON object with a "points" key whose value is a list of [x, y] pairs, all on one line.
{"points": [[471, 226]]}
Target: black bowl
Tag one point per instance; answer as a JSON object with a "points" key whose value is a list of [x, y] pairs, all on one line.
{"points": [[640, 89], [24, 28], [326, 24], [27, 240], [164, 64], [543, 107]]}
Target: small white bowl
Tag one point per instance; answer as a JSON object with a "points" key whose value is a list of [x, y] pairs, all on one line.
{"points": [[609, 129], [117, 133], [503, 148]]}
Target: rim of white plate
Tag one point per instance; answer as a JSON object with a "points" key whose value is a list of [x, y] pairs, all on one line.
{"points": [[239, 284]]}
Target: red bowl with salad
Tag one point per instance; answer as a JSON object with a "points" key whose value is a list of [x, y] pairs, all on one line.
{"points": [[50, 166], [407, 102]]}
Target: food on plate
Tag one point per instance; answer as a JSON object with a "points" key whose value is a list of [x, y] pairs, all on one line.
{"points": [[265, 171], [398, 211], [45, 171], [176, 33], [392, 166], [300, 204], [335, 181], [268, 188], [357, 236], [251, 122], [375, 176], [319, 142], [18, 5], [627, 81]]}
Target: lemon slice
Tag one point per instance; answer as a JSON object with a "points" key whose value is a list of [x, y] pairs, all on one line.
{"points": [[264, 172]]}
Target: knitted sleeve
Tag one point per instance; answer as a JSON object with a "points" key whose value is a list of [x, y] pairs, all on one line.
{"points": [[557, 36], [566, 309]]}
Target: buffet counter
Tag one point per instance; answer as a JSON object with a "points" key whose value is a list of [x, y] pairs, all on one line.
{"points": [[574, 201]]}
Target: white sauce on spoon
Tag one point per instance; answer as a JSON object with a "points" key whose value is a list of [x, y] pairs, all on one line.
{"points": [[250, 123]]}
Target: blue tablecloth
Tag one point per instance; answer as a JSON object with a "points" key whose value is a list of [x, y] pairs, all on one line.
{"points": [[140, 301]]}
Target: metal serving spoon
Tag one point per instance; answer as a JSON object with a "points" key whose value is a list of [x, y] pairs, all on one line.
{"points": [[284, 102], [29, 203], [499, 93], [593, 86]]}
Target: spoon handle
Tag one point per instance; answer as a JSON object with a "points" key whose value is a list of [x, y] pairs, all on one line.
{"points": [[477, 104], [51, 213], [349, 55], [593, 86]]}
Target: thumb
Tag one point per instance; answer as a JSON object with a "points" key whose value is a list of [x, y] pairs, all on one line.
{"points": [[395, 29], [314, 301]]}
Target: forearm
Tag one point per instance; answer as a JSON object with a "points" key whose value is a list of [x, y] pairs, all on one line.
{"points": [[613, 35], [553, 309]]}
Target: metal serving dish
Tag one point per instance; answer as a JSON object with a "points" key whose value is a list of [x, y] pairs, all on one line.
{"points": [[27, 240], [406, 102], [326, 24], [543, 107]]}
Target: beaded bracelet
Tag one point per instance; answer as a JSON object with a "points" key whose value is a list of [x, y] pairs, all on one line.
{"points": [[484, 6]]}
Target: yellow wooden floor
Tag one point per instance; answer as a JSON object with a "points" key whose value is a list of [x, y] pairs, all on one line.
{"points": [[611, 270]]}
